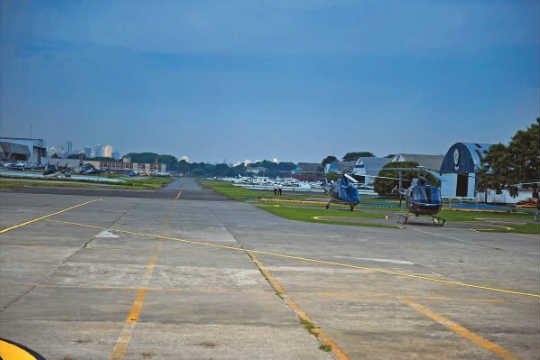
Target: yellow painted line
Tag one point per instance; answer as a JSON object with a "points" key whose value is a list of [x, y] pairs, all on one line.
{"points": [[137, 307], [267, 275], [5, 230], [317, 331], [9, 351], [169, 215], [171, 209], [461, 331], [325, 262], [99, 227], [321, 335], [122, 342]]}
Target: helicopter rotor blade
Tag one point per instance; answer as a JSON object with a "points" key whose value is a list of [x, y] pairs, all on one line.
{"points": [[350, 178], [380, 177]]}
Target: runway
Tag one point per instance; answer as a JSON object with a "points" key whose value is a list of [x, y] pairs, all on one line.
{"points": [[186, 274]]}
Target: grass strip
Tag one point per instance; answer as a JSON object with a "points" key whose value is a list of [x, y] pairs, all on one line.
{"points": [[319, 215]]}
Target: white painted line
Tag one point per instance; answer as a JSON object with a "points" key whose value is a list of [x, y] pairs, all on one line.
{"points": [[106, 234], [391, 261]]}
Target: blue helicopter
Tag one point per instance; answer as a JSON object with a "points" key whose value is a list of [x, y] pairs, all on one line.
{"points": [[342, 191], [421, 197]]}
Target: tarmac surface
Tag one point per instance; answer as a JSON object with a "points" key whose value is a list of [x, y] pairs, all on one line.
{"points": [[183, 274]]}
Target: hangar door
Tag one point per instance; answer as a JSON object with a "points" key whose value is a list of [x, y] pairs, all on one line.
{"points": [[462, 184]]}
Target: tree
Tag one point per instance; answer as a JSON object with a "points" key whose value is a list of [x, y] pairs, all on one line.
{"points": [[169, 160], [494, 173], [389, 186], [80, 156], [183, 167], [519, 162], [353, 156], [144, 157], [286, 166], [332, 176]]}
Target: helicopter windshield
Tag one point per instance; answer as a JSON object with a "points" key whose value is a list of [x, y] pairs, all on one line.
{"points": [[427, 195]]}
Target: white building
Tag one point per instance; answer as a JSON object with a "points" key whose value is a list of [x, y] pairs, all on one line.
{"points": [[430, 162], [370, 166], [459, 170], [108, 151]]}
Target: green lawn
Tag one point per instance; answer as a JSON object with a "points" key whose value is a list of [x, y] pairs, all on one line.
{"points": [[319, 215], [146, 183], [462, 215], [243, 194], [303, 211]]}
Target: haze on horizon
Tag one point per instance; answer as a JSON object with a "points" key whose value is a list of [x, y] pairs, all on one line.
{"points": [[293, 80]]}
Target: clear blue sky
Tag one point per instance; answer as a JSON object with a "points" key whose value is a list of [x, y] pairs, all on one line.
{"points": [[254, 79]]}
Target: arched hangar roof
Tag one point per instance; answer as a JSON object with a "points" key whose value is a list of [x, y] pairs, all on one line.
{"points": [[464, 158]]}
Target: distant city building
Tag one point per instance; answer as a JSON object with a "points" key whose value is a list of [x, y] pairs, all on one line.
{"points": [[97, 150], [55, 151], [125, 165], [116, 155], [37, 150], [87, 150], [107, 151], [308, 171], [68, 148]]}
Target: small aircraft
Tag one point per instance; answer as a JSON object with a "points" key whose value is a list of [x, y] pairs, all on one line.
{"points": [[342, 191]]}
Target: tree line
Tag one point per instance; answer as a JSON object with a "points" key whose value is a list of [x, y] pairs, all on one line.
{"points": [[514, 165]]}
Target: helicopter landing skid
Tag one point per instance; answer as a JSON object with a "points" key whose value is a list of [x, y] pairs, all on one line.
{"points": [[438, 221], [351, 206], [403, 219]]}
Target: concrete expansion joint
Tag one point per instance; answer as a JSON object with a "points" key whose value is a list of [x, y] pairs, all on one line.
{"points": [[325, 341]]}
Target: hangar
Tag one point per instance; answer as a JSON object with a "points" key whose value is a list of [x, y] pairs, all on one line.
{"points": [[35, 150], [459, 169]]}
